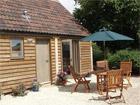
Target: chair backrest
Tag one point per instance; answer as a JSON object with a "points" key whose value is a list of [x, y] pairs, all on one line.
{"points": [[126, 67], [114, 79], [73, 73], [102, 64]]}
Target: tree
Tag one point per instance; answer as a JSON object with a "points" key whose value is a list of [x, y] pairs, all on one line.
{"points": [[122, 16]]}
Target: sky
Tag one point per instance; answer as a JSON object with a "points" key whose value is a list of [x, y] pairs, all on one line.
{"points": [[68, 4]]}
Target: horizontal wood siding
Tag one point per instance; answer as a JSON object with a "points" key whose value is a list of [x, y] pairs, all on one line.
{"points": [[85, 57], [59, 54], [53, 65], [53, 59], [13, 72]]}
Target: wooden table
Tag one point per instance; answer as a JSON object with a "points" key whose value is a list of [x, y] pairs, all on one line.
{"points": [[101, 78], [101, 81]]}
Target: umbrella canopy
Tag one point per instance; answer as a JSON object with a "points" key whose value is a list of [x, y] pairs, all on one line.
{"points": [[105, 36]]}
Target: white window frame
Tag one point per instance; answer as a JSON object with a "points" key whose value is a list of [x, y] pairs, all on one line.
{"points": [[22, 52]]}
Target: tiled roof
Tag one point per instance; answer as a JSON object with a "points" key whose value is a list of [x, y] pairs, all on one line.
{"points": [[39, 16]]}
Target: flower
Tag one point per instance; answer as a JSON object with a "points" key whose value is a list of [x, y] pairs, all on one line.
{"points": [[61, 78]]}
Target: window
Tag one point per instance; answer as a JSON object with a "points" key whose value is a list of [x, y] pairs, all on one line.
{"points": [[16, 48]]}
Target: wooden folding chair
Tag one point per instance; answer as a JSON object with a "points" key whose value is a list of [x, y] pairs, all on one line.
{"points": [[102, 65], [79, 79], [114, 81], [126, 67]]}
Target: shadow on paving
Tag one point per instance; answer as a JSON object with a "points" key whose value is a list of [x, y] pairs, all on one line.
{"points": [[80, 88]]}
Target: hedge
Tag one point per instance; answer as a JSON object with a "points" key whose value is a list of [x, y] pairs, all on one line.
{"points": [[125, 55]]}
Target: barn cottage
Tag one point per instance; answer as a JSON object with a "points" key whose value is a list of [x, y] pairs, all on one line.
{"points": [[37, 39]]}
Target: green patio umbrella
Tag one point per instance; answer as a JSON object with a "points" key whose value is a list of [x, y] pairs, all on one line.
{"points": [[105, 35]]}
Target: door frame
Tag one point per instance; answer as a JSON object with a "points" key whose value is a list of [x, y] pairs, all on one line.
{"points": [[71, 55], [76, 54], [48, 40]]}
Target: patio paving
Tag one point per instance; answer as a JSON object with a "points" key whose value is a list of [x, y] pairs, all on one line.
{"points": [[60, 95]]}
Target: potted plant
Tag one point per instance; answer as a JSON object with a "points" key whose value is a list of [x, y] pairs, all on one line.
{"points": [[35, 85], [61, 78]]}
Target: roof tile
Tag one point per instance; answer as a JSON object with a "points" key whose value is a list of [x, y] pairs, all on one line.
{"points": [[43, 16]]}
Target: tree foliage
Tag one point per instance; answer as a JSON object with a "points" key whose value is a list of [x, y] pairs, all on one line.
{"points": [[122, 16]]}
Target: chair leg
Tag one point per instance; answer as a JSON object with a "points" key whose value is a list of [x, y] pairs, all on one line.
{"points": [[106, 95], [123, 99], [99, 80], [128, 79], [88, 86], [129, 83], [100, 89], [75, 87], [121, 94], [110, 100]]}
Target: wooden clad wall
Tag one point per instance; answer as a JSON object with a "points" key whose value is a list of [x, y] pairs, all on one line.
{"points": [[53, 57], [85, 57], [53, 65], [12, 72], [59, 54]]}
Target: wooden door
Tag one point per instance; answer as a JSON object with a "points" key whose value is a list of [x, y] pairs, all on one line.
{"points": [[43, 61]]}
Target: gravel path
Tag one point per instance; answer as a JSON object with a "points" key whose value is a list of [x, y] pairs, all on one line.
{"points": [[58, 95]]}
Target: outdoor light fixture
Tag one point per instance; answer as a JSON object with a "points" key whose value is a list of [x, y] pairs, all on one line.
{"points": [[25, 12], [26, 16], [30, 40]]}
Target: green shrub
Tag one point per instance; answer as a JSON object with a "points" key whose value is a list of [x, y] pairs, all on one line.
{"points": [[97, 53], [135, 57], [125, 55], [19, 90]]}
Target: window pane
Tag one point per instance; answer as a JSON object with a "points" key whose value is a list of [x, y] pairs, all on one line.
{"points": [[16, 48], [16, 45]]}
